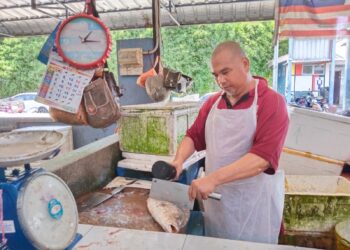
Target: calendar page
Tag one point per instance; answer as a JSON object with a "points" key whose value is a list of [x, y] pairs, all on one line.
{"points": [[62, 86], [49, 44]]}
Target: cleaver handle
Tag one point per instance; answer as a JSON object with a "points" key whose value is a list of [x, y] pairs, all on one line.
{"points": [[215, 196]]}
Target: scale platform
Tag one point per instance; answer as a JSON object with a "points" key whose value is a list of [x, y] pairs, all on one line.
{"points": [[22, 147]]}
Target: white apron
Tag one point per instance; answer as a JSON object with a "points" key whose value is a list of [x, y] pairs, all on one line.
{"points": [[250, 209]]}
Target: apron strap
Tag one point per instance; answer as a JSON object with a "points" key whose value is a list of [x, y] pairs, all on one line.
{"points": [[255, 102]]}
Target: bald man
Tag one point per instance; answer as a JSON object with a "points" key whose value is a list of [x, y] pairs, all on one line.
{"points": [[242, 128]]}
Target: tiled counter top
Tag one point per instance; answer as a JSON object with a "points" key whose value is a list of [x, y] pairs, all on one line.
{"points": [[105, 238]]}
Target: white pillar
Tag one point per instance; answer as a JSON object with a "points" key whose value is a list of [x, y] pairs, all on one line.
{"points": [[289, 70], [332, 72], [275, 67], [346, 87]]}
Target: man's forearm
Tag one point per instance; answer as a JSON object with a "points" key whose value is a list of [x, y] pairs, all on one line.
{"points": [[185, 150], [247, 166]]}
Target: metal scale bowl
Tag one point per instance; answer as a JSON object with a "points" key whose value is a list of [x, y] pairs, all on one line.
{"points": [[39, 210]]}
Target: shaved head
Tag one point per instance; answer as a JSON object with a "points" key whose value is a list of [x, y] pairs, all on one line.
{"points": [[229, 47], [231, 69]]}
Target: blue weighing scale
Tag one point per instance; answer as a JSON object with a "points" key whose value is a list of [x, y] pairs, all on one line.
{"points": [[39, 210]]}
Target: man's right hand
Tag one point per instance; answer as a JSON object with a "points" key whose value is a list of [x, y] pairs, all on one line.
{"points": [[178, 166], [185, 150]]}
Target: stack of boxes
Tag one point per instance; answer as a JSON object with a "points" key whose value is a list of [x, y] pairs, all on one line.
{"points": [[316, 197]]}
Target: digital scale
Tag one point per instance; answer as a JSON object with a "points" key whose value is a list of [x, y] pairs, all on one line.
{"points": [[37, 208]]}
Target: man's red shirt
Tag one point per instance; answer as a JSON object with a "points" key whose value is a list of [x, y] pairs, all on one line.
{"points": [[272, 122]]}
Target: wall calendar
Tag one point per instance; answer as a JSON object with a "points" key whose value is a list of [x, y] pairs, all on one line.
{"points": [[62, 86]]}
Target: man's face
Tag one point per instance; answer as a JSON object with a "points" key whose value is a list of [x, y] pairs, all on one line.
{"points": [[230, 72]]}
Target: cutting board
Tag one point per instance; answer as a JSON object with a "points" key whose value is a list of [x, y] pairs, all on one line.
{"points": [[127, 209]]}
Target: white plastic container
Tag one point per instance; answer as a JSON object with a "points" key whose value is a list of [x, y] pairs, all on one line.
{"points": [[296, 162], [156, 128], [144, 162], [315, 203], [319, 133]]}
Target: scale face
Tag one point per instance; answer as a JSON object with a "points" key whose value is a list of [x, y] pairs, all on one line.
{"points": [[47, 211], [84, 41]]}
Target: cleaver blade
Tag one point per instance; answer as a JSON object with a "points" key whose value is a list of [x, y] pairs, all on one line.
{"points": [[173, 192]]}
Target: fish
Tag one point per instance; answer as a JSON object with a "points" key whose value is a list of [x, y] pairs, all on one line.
{"points": [[170, 217]]}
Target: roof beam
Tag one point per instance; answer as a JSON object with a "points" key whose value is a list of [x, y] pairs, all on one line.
{"points": [[52, 8], [66, 6], [170, 14], [21, 19], [67, 2], [35, 7], [46, 13], [6, 29], [16, 6], [64, 14], [4, 34]]}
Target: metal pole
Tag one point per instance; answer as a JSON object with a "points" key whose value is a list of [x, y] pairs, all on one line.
{"points": [[34, 7], [156, 30], [33, 4], [275, 67], [346, 85], [170, 15], [46, 13], [289, 70], [66, 6], [8, 35], [332, 72]]}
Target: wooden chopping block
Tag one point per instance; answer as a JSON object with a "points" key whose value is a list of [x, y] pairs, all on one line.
{"points": [[127, 209]]}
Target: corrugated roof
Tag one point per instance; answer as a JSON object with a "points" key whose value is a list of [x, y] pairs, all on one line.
{"points": [[18, 18]]}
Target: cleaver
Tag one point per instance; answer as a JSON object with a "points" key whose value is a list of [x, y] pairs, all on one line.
{"points": [[174, 192], [97, 198]]}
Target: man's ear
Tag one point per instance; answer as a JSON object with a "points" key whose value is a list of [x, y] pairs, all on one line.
{"points": [[246, 64]]}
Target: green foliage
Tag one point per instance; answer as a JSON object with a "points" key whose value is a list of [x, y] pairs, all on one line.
{"points": [[186, 49], [189, 49], [283, 48], [19, 69]]}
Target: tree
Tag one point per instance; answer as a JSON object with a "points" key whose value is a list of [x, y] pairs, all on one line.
{"points": [[283, 48], [189, 48], [19, 69]]}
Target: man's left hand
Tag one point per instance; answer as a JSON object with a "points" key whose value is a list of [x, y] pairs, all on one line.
{"points": [[201, 188]]}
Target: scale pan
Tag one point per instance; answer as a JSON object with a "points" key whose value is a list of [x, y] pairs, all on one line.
{"points": [[20, 147]]}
